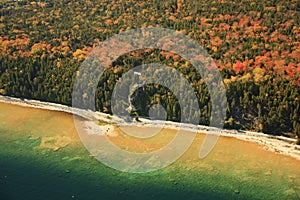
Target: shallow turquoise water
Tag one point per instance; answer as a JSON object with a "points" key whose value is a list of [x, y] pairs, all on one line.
{"points": [[71, 173], [27, 172], [30, 174]]}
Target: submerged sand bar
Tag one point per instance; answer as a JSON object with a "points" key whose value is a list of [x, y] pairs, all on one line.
{"points": [[278, 144]]}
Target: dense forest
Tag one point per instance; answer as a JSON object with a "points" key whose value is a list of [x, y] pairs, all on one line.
{"points": [[255, 44]]}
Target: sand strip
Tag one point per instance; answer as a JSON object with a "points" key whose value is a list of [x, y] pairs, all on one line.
{"points": [[278, 144]]}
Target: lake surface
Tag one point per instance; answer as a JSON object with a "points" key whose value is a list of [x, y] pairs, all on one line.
{"points": [[42, 157]]}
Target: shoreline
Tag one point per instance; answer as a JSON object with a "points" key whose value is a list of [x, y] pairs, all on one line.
{"points": [[277, 144]]}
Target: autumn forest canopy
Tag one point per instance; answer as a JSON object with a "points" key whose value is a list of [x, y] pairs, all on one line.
{"points": [[255, 44]]}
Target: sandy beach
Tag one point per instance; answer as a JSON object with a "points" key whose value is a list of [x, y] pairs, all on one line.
{"points": [[277, 144]]}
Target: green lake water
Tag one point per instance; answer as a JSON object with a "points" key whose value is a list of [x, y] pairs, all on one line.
{"points": [[32, 167]]}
